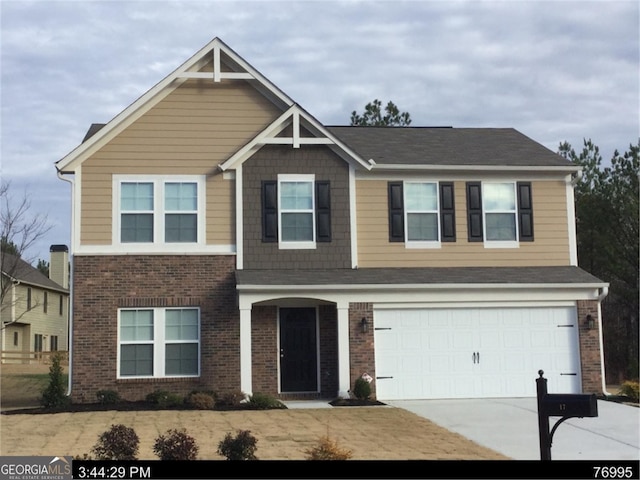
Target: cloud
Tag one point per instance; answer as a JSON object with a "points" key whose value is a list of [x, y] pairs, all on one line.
{"points": [[555, 70]]}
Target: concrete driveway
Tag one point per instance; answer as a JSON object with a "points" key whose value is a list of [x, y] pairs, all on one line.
{"points": [[510, 426]]}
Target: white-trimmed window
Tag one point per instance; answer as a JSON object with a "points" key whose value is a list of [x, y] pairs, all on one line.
{"points": [[421, 212], [158, 210], [500, 212], [159, 342], [296, 207]]}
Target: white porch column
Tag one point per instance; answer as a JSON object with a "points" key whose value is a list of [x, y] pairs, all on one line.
{"points": [[245, 350], [344, 365]]}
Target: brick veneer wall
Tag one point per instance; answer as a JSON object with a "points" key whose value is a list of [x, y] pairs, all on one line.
{"points": [[102, 284], [591, 366], [362, 355]]}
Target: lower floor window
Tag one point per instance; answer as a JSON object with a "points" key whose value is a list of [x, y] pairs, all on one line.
{"points": [[159, 342]]}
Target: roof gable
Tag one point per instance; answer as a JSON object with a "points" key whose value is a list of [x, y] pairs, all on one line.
{"points": [[298, 119], [225, 65], [17, 269]]}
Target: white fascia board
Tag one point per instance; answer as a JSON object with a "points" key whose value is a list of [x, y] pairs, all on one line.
{"points": [[144, 103], [426, 298], [422, 286]]}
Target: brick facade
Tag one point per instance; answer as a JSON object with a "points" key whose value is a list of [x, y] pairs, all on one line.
{"points": [[361, 346], [103, 284], [590, 361]]}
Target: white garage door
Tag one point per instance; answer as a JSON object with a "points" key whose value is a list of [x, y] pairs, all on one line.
{"points": [[475, 352]]}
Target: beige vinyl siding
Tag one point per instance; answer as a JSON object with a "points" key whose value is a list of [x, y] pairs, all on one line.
{"points": [[192, 130], [550, 247], [46, 324]]}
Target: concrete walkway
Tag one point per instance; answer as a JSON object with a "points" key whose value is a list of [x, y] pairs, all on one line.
{"points": [[510, 426]]}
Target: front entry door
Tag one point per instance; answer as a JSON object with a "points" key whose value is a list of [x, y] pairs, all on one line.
{"points": [[298, 350]]}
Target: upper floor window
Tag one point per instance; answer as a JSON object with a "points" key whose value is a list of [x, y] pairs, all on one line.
{"points": [[159, 342], [421, 214], [159, 210], [296, 211], [500, 213], [499, 205]]}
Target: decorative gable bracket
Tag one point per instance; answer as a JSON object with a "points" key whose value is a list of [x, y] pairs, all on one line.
{"points": [[298, 119], [217, 75]]}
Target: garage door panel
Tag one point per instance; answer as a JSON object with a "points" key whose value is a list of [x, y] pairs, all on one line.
{"points": [[473, 352]]}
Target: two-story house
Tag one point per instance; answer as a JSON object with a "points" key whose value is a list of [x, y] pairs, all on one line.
{"points": [[34, 308], [224, 239]]}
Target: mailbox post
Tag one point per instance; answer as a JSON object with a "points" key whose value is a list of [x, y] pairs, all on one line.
{"points": [[565, 405]]}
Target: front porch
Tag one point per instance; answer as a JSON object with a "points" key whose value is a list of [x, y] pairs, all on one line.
{"points": [[303, 348]]}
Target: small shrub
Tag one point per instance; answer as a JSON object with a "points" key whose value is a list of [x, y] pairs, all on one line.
{"points": [[262, 401], [230, 399], [55, 393], [327, 449], [176, 445], [118, 443], [83, 457], [241, 447], [630, 389], [108, 397], [200, 401], [362, 389], [165, 399]]}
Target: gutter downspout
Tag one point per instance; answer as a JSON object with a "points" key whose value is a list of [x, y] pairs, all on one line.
{"points": [[70, 323], [603, 293]]}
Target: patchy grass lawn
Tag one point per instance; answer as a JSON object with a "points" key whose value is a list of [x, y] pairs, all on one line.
{"points": [[22, 385]]}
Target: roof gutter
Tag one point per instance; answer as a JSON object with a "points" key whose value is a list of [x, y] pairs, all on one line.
{"points": [[70, 322], [489, 168]]}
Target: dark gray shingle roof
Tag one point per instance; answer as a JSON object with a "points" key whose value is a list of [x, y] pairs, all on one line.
{"points": [[428, 276], [448, 146], [18, 269]]}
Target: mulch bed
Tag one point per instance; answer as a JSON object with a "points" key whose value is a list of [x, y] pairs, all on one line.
{"points": [[122, 407], [354, 402], [140, 406]]}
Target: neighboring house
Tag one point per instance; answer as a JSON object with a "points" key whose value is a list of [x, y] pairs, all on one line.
{"points": [[224, 239], [35, 308]]}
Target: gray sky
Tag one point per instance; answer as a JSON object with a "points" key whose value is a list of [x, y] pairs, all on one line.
{"points": [[554, 70]]}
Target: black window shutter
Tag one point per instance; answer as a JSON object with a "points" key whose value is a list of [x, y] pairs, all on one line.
{"points": [[474, 211], [396, 212], [525, 212], [323, 211], [269, 211], [447, 213]]}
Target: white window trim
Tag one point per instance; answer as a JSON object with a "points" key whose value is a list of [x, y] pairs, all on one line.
{"points": [[159, 245], [289, 245], [500, 243], [159, 342], [421, 243]]}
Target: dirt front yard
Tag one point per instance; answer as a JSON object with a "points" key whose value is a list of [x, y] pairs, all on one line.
{"points": [[371, 433]]}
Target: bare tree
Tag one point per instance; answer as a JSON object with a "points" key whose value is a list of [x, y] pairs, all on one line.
{"points": [[20, 229]]}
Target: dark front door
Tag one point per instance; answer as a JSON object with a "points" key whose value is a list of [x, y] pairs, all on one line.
{"points": [[298, 350]]}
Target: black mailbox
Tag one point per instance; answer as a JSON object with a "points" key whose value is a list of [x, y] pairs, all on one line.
{"points": [[565, 405], [569, 405]]}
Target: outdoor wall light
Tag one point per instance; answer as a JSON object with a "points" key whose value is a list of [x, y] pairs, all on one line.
{"points": [[590, 322], [364, 324]]}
